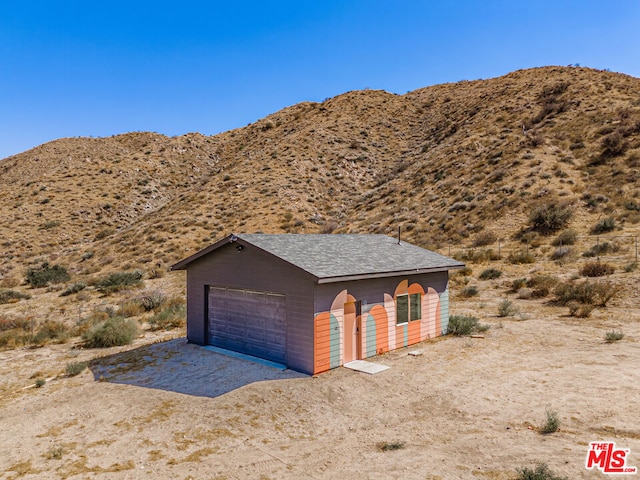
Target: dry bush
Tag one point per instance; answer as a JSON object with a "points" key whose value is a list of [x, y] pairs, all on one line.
{"points": [[47, 274], [521, 257], [542, 285], [12, 296], [490, 274], [596, 269], [114, 332], [485, 238], [566, 237], [596, 293], [173, 315], [550, 217], [470, 291], [605, 225]]}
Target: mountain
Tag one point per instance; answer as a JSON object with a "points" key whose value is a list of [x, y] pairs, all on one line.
{"points": [[445, 163]]}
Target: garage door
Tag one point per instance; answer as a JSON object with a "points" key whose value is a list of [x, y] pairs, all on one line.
{"points": [[248, 321]]}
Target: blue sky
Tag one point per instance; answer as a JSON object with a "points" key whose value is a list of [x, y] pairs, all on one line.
{"points": [[92, 68]]}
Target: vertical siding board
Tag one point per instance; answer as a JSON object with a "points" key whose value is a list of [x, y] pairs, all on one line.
{"points": [[444, 311]]}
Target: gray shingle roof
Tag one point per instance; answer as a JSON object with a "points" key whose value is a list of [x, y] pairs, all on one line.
{"points": [[338, 257]]}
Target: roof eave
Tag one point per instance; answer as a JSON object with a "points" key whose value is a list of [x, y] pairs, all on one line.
{"points": [[182, 264], [397, 273]]}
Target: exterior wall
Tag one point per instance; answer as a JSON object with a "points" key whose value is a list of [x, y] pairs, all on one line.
{"points": [[378, 331], [252, 269]]}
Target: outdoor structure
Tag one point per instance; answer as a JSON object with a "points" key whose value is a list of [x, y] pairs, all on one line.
{"points": [[315, 302]]}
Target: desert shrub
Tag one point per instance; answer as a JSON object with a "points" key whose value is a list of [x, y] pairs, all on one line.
{"points": [[51, 330], [600, 249], [152, 300], [75, 368], [75, 288], [390, 446], [12, 296], [483, 239], [111, 333], [490, 274], [566, 237], [172, 316], [551, 423], [550, 217], [130, 308], [470, 291], [40, 382], [613, 145], [580, 310], [605, 225], [542, 285], [517, 284], [630, 267], [596, 269], [506, 308], [587, 292], [521, 256], [561, 253], [461, 325], [541, 472], [46, 274], [119, 280], [613, 336]]}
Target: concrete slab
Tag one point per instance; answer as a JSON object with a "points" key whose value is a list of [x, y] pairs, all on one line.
{"points": [[249, 358], [366, 367]]}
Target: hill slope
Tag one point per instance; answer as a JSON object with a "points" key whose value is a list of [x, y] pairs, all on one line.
{"points": [[445, 162]]}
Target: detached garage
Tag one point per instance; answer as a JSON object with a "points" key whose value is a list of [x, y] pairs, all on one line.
{"points": [[315, 302]]}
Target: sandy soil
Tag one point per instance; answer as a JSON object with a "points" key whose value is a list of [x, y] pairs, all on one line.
{"points": [[465, 408]]}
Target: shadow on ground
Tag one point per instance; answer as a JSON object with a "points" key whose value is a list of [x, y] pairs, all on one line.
{"points": [[178, 366]]}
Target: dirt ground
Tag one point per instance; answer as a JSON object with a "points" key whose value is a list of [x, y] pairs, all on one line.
{"points": [[465, 408]]}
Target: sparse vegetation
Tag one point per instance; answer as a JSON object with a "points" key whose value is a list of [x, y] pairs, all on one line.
{"points": [[484, 238], [75, 368], [173, 315], [464, 325], [113, 332], [119, 281], [469, 291], [521, 257], [596, 293], [551, 423], [490, 274], [596, 269], [45, 274], [566, 237], [390, 446], [550, 217], [12, 296], [613, 336], [75, 288], [506, 308], [540, 472], [605, 225]]}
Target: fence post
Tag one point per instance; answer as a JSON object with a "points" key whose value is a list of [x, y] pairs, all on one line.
{"points": [[598, 248]]}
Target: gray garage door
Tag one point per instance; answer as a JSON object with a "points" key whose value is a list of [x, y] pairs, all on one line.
{"points": [[248, 321]]}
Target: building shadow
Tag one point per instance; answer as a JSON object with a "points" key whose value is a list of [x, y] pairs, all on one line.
{"points": [[181, 367]]}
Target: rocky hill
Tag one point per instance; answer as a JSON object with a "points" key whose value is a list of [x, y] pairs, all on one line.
{"points": [[445, 163]]}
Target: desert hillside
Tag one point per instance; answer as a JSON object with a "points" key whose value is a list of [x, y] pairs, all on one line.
{"points": [[450, 164]]}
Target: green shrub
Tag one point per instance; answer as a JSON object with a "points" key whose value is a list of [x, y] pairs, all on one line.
{"points": [[517, 284], [465, 271], [490, 274], [75, 288], [47, 274], [613, 336], [40, 382], [605, 225], [541, 472], [506, 308], [461, 325], [12, 296], [566, 237], [390, 446], [550, 217], [120, 280], [551, 423], [75, 368], [172, 316], [111, 333], [470, 291], [596, 269]]}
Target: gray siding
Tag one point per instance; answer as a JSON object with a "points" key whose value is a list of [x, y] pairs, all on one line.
{"points": [[253, 269]]}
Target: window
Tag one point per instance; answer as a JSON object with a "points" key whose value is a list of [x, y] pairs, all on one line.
{"points": [[416, 306], [402, 309], [408, 308]]}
